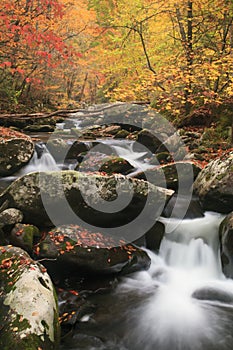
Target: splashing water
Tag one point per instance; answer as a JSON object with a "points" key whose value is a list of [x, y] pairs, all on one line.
{"points": [[187, 303]]}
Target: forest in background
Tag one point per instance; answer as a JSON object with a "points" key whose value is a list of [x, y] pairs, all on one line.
{"points": [[175, 55]]}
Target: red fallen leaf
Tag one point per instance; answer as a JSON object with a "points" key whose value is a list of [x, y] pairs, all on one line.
{"points": [[73, 292]]}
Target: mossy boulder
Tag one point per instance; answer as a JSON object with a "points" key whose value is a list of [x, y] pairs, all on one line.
{"points": [[28, 306], [39, 128], [100, 162], [226, 245], [66, 195], [16, 149], [178, 175], [116, 165], [214, 185], [24, 236], [78, 249], [149, 140]]}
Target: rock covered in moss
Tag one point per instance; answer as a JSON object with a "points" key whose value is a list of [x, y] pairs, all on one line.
{"points": [[16, 149], [24, 236], [28, 312], [84, 193], [100, 162], [214, 185], [79, 249], [10, 216]]}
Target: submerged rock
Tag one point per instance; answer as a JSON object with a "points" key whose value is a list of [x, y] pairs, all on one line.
{"points": [[214, 185], [68, 196], [16, 149], [28, 312], [226, 245], [78, 249]]}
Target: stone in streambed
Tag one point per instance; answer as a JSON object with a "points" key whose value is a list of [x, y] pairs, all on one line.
{"points": [[38, 193], [178, 175], [78, 249], [226, 245], [28, 312], [10, 216], [23, 236], [16, 149], [214, 185]]}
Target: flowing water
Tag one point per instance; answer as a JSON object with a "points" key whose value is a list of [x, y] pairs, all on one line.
{"points": [[183, 302], [40, 161], [125, 149]]}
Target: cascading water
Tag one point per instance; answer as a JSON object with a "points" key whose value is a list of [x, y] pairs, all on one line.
{"points": [[41, 160], [186, 302], [124, 149]]}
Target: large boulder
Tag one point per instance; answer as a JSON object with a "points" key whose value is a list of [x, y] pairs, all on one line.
{"points": [[179, 175], [16, 149], [107, 201], [95, 161], [28, 306], [77, 249], [226, 245], [214, 185]]}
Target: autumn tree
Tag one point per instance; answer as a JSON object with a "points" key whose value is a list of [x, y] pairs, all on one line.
{"points": [[29, 45]]}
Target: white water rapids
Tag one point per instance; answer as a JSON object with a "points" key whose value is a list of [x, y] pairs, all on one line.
{"points": [[187, 302]]}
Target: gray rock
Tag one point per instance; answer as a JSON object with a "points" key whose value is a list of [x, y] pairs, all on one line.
{"points": [[214, 185], [78, 249], [10, 216], [28, 312], [88, 195], [16, 149], [178, 175], [226, 245]]}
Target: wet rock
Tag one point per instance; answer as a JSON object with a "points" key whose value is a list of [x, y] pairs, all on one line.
{"points": [[154, 236], [10, 216], [178, 175], [183, 207], [226, 245], [161, 158], [16, 149], [61, 149], [39, 128], [78, 249], [108, 164], [58, 148], [213, 294], [214, 185], [24, 236], [122, 134], [88, 195], [150, 141], [28, 312]]}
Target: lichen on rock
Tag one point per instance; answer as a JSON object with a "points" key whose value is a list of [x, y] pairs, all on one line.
{"points": [[28, 313]]}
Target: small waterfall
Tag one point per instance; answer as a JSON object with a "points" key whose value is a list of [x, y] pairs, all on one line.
{"points": [[186, 301], [125, 149], [42, 160]]}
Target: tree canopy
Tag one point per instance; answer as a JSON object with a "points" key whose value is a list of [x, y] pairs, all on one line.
{"points": [[175, 54]]}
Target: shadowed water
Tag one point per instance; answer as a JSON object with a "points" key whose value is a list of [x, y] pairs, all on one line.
{"points": [[183, 302]]}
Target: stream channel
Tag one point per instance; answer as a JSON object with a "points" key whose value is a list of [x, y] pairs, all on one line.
{"points": [[183, 302]]}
